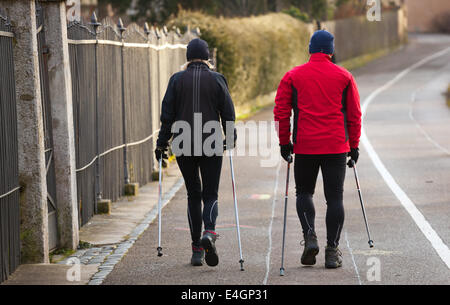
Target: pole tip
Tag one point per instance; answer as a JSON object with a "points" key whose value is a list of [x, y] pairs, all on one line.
{"points": [[281, 271], [242, 264], [159, 249], [371, 243]]}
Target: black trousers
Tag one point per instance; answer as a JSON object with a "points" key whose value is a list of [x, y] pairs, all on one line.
{"points": [[201, 176], [333, 167]]}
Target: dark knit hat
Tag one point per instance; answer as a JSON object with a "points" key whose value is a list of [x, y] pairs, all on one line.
{"points": [[321, 41], [197, 49]]}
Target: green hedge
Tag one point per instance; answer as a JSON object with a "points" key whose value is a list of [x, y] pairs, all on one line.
{"points": [[253, 53]]}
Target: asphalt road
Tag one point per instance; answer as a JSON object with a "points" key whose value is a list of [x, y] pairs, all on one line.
{"points": [[407, 125]]}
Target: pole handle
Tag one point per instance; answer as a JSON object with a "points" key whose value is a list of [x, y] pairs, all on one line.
{"points": [[290, 159], [351, 163]]}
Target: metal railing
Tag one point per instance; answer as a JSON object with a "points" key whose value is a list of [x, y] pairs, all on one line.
{"points": [[119, 77], [9, 176]]}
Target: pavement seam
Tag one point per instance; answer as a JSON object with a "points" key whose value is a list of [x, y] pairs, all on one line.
{"points": [[266, 277], [353, 257], [425, 134]]}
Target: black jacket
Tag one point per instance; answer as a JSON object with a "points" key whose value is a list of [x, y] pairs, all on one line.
{"points": [[197, 90]]}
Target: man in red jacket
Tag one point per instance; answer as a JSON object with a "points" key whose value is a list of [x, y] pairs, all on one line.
{"points": [[327, 128]]}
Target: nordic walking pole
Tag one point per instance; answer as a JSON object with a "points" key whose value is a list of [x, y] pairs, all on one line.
{"points": [[241, 261], [159, 249], [362, 203], [285, 215]]}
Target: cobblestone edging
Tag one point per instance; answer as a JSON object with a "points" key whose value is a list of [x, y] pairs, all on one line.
{"points": [[108, 256]]}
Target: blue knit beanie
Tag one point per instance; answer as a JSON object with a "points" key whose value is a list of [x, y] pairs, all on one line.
{"points": [[321, 41], [197, 49]]}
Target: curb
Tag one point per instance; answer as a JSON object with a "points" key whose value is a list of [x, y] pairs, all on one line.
{"points": [[109, 255]]}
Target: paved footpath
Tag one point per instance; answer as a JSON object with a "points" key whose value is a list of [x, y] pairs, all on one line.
{"points": [[404, 170]]}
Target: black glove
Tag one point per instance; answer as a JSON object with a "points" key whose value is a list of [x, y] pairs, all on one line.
{"points": [[225, 147], [354, 155], [233, 145], [286, 151], [160, 152]]}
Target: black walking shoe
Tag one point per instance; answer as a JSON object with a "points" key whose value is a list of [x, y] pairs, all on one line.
{"points": [[311, 249], [198, 254], [209, 244], [333, 257]]}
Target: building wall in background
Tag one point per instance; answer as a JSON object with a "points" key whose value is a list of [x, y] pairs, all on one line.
{"points": [[371, 36], [422, 14], [88, 7]]}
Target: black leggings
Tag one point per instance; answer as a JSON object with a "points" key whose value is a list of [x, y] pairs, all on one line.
{"points": [[206, 189], [333, 168]]}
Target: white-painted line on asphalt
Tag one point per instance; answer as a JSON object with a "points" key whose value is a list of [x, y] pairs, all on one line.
{"points": [[353, 258], [437, 243], [399, 76], [426, 135], [269, 250]]}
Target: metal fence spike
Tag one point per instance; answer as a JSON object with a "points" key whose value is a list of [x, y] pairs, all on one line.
{"points": [[146, 29], [94, 20], [157, 33], [120, 25]]}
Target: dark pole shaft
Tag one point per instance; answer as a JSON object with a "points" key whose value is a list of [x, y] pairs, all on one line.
{"points": [[362, 205], [286, 194]]}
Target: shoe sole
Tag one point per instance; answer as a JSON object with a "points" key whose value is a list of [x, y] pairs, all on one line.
{"points": [[196, 264], [309, 257], [334, 266], [211, 257]]}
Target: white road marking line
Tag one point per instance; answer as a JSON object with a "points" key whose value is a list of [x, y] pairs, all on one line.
{"points": [[353, 257], [427, 136], [437, 243], [271, 224]]}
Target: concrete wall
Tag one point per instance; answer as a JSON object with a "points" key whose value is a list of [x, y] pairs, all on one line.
{"points": [[421, 14], [32, 171], [34, 226]]}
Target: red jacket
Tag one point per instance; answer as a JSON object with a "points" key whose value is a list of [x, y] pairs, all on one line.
{"points": [[327, 113]]}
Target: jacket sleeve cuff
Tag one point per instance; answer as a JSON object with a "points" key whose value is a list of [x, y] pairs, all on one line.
{"points": [[285, 141]]}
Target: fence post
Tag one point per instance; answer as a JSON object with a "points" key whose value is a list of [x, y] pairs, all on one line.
{"points": [[32, 170], [155, 103], [60, 83], [98, 193], [122, 29], [152, 158]]}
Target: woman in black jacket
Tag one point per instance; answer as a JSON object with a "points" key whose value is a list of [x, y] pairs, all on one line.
{"points": [[197, 100]]}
